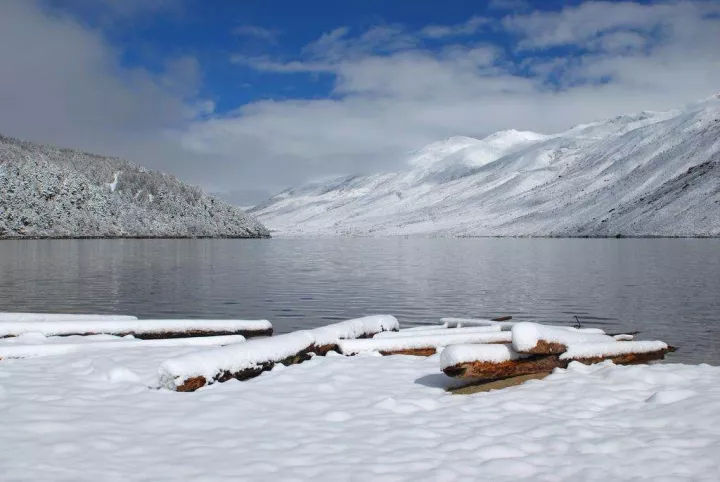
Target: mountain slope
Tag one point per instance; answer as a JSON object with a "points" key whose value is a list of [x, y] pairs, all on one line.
{"points": [[49, 192], [632, 175]]}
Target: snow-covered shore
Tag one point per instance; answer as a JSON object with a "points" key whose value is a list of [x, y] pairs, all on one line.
{"points": [[99, 416]]}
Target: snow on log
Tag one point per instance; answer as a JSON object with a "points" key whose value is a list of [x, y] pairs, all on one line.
{"points": [[10, 316], [493, 362], [327, 337], [620, 352], [422, 345], [32, 351], [535, 339], [439, 331], [143, 329], [189, 372], [503, 322]]}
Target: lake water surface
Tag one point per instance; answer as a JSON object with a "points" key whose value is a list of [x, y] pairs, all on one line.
{"points": [[666, 288]]}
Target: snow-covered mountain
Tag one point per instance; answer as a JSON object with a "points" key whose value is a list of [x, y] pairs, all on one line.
{"points": [[49, 192], [646, 174]]}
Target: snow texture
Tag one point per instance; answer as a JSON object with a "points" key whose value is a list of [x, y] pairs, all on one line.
{"points": [[48, 192], [11, 316], [57, 328], [255, 353], [602, 350], [355, 328], [644, 174], [37, 350], [87, 417], [352, 347], [456, 354], [526, 335], [438, 331]]}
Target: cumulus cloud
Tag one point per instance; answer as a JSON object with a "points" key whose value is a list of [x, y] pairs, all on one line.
{"points": [[393, 89], [395, 95]]}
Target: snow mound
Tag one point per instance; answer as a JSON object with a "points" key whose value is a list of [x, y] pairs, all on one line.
{"points": [[353, 347], [355, 328]]}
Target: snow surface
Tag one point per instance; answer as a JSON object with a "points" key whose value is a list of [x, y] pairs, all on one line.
{"points": [[11, 316], [355, 328], [645, 174], [91, 416], [464, 322], [352, 347], [438, 331], [175, 371], [456, 354], [525, 336], [31, 350], [596, 350], [14, 328]]}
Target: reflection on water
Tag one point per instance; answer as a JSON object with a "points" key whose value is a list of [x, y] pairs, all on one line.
{"points": [[666, 288]]}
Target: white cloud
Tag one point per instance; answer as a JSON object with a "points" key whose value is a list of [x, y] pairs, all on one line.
{"points": [[391, 91], [387, 102]]}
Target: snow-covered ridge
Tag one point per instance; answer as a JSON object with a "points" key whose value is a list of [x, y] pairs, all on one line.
{"points": [[645, 174], [48, 192]]}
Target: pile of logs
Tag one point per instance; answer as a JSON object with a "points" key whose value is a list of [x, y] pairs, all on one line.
{"points": [[535, 349]]}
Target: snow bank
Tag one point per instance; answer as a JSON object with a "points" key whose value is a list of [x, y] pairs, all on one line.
{"points": [[255, 355], [397, 344], [355, 328], [456, 354], [439, 331], [527, 336], [605, 350], [10, 316], [139, 328], [39, 350]]}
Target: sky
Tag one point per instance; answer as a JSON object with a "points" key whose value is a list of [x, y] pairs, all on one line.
{"points": [[246, 98]]}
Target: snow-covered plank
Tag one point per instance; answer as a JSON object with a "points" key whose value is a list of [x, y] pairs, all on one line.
{"points": [[327, 337], [11, 316], [533, 338], [190, 372], [144, 329], [439, 331], [493, 362], [39, 350], [423, 345]]}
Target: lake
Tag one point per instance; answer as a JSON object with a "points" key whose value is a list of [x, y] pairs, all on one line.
{"points": [[666, 288]]}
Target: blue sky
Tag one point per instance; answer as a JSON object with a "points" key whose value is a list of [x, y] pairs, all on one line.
{"points": [[248, 97]]}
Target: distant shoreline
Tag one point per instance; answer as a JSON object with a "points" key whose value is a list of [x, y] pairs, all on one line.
{"points": [[34, 238]]}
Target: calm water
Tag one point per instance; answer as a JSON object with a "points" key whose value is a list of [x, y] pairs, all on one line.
{"points": [[668, 289]]}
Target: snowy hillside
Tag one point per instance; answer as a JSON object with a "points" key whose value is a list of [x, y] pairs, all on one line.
{"points": [[647, 174], [51, 192]]}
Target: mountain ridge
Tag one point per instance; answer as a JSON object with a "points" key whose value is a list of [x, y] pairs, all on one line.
{"points": [[591, 180], [52, 192]]}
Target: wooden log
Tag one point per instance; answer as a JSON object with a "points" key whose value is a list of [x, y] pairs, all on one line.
{"points": [[511, 368], [536, 339], [422, 345], [327, 337], [142, 329], [502, 318]]}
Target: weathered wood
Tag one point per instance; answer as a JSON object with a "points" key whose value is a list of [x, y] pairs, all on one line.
{"points": [[502, 318], [546, 348], [192, 384], [628, 358], [506, 369], [428, 351]]}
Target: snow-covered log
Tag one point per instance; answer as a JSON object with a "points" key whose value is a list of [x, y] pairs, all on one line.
{"points": [[536, 339], [439, 331], [11, 316], [493, 362], [504, 322], [143, 329], [422, 345], [327, 337], [620, 352], [33, 351], [190, 372]]}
